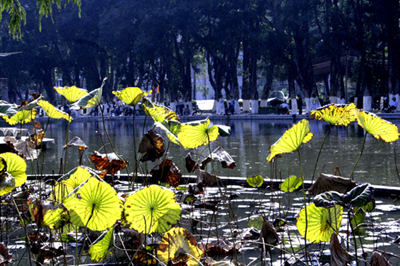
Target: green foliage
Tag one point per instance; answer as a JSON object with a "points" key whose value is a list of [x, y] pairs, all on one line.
{"points": [[291, 183]]}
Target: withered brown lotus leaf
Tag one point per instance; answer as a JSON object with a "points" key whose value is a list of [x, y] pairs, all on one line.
{"points": [[151, 146], [5, 256], [109, 162], [37, 125], [166, 172], [76, 141], [190, 164], [378, 260], [26, 148], [219, 155], [268, 235], [326, 182], [339, 256], [220, 248], [37, 137], [205, 178]]}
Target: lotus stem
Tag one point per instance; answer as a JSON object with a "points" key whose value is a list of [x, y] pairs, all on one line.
{"points": [[319, 153], [362, 150]]}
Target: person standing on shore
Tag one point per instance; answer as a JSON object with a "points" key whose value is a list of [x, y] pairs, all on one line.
{"points": [[299, 104]]}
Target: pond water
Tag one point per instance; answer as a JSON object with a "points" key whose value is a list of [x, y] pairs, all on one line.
{"points": [[248, 144]]}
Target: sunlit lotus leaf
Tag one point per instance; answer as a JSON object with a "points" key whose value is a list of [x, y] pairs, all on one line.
{"points": [[291, 139], [197, 133], [268, 235], [321, 223], [326, 182], [8, 109], [369, 207], [25, 105], [72, 94], [45, 213], [255, 181], [109, 162], [335, 114], [158, 113], [94, 204], [378, 260], [26, 148], [166, 172], [291, 183], [171, 128], [22, 117], [54, 112], [90, 100], [131, 95], [151, 146], [376, 126], [3, 166], [5, 256], [99, 249], [219, 155], [175, 246], [339, 256], [152, 209], [357, 219], [78, 142], [16, 167], [256, 221], [7, 183], [190, 164]]}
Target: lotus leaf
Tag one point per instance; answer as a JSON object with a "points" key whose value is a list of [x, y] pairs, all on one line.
{"points": [[268, 235], [99, 249], [90, 100], [26, 148], [72, 94], [335, 114], [378, 260], [175, 246], [357, 219], [205, 179], [219, 155], [152, 209], [45, 213], [291, 183], [151, 146], [159, 113], [16, 167], [76, 141], [5, 255], [8, 109], [255, 181], [291, 139], [190, 164], [31, 104], [326, 182], [166, 172], [339, 256], [197, 133], [256, 222], [376, 126], [109, 162], [53, 112], [23, 116], [94, 204], [320, 223], [171, 128], [131, 95]]}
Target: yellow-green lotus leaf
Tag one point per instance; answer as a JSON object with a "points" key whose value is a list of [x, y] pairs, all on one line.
{"points": [[23, 116], [46, 213], [76, 177], [171, 128], [72, 94], [321, 222], [376, 126], [291, 183], [90, 100], [53, 112], [197, 133], [7, 183], [152, 209], [94, 204], [291, 140], [179, 246], [335, 114], [158, 113], [131, 95], [256, 221], [16, 167], [255, 181], [101, 246]]}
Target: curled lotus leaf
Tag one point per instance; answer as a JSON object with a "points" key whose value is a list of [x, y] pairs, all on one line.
{"points": [[317, 224], [72, 94], [179, 246], [190, 164], [8, 109], [24, 147], [25, 105], [256, 221], [326, 182], [90, 100], [131, 95], [219, 155], [291, 140], [94, 204], [339, 256], [171, 128], [335, 114], [99, 249], [45, 213], [268, 235], [152, 209], [53, 112], [360, 195], [291, 183], [205, 179], [255, 181], [197, 133], [78, 142], [151, 146], [109, 162], [7, 183], [376, 126], [166, 172], [159, 113], [22, 117], [378, 260], [16, 167]]}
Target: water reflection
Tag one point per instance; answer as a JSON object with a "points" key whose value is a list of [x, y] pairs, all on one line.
{"points": [[248, 144]]}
